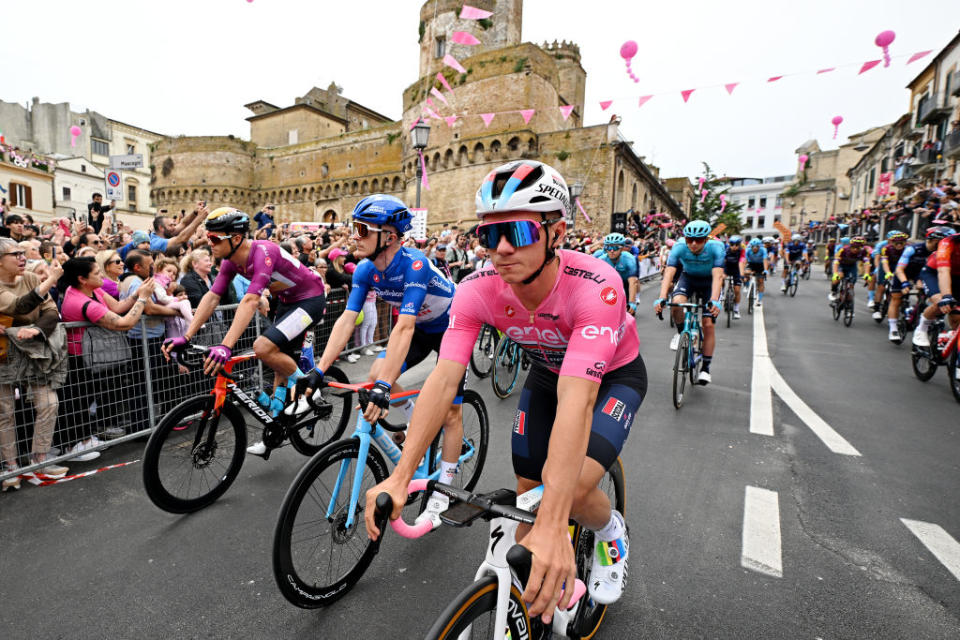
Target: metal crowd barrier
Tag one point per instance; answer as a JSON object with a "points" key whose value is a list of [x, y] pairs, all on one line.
{"points": [[126, 402]]}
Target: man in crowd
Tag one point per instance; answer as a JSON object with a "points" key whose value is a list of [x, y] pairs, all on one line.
{"points": [[264, 220]]}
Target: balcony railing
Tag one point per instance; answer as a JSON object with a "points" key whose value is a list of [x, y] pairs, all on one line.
{"points": [[955, 83], [926, 156], [905, 174], [951, 145], [934, 109]]}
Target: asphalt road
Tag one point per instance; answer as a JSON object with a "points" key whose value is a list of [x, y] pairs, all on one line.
{"points": [[734, 534]]}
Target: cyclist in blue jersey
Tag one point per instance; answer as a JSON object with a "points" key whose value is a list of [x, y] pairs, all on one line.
{"points": [[791, 252], [757, 265], [402, 277], [702, 278], [734, 264], [624, 262]]}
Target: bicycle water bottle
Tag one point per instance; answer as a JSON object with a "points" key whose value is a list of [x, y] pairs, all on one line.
{"points": [[942, 339], [306, 363]]}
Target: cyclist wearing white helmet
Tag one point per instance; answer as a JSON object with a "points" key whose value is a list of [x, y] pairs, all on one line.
{"points": [[568, 311]]}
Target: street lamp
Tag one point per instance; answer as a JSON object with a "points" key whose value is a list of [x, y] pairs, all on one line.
{"points": [[418, 139], [576, 189]]}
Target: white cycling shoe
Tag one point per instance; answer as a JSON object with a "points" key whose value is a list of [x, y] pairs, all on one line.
{"points": [[257, 449], [674, 342], [704, 378], [608, 573], [894, 335], [921, 338], [436, 505], [736, 315], [876, 315]]}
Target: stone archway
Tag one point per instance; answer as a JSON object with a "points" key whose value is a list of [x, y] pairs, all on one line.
{"points": [[329, 216]]}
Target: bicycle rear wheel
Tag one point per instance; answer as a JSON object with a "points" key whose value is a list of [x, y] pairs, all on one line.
{"points": [[751, 297], [506, 368], [680, 369], [475, 608], [848, 313], [317, 559], [327, 422], [484, 351], [953, 370], [184, 468]]}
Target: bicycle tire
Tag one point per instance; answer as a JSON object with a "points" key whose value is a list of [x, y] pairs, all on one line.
{"points": [[848, 313], [307, 438], [902, 329], [923, 366], [484, 351], [189, 420], [751, 298], [476, 607], [837, 309], [680, 370], [952, 365], [289, 571], [478, 436], [590, 615], [506, 369], [794, 284]]}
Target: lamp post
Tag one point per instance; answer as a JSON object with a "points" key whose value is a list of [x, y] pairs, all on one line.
{"points": [[418, 139], [576, 189]]}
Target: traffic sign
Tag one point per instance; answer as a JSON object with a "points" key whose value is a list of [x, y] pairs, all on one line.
{"points": [[418, 226], [113, 187], [130, 161]]}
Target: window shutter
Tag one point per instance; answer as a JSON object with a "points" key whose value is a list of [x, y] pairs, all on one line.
{"points": [[13, 194], [29, 191]]}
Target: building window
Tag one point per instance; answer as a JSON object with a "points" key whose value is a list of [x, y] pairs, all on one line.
{"points": [[83, 168], [441, 47], [779, 202], [66, 193], [763, 202], [131, 149], [21, 196], [761, 222], [750, 203], [292, 136], [873, 175], [99, 147], [132, 195]]}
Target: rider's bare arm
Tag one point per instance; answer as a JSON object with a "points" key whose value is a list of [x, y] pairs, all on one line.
{"points": [[668, 275], [241, 318], [397, 347]]}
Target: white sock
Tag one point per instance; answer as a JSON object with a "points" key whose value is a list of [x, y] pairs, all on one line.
{"points": [[447, 471], [407, 410], [922, 324], [893, 322], [614, 529], [736, 308]]}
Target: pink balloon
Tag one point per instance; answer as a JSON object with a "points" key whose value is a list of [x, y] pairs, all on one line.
{"points": [[836, 125], [803, 159], [628, 49], [883, 40], [75, 131]]}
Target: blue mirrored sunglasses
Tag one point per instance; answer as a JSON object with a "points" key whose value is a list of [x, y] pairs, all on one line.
{"points": [[612, 247], [519, 233]]}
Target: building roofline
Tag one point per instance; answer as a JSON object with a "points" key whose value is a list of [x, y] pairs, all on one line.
{"points": [[357, 105], [133, 126], [936, 59], [321, 112], [634, 159]]}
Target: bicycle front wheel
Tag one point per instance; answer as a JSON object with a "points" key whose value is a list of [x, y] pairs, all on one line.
{"points": [[327, 422], [475, 609], [317, 558], [194, 455], [848, 313], [680, 369], [953, 370], [506, 368], [794, 283]]}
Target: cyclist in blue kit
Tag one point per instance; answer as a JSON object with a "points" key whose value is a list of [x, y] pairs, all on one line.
{"points": [[757, 265], [624, 262], [402, 277], [702, 260]]}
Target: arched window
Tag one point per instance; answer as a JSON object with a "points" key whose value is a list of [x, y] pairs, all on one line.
{"points": [[513, 145], [495, 148], [324, 170], [633, 197], [364, 187], [215, 196], [532, 146], [478, 152], [462, 158], [354, 186], [329, 216], [397, 185], [336, 191], [375, 186], [436, 161], [448, 159], [620, 201]]}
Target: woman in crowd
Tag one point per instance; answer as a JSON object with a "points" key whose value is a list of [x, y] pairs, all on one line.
{"points": [[111, 266], [25, 303], [336, 276], [85, 300], [198, 275]]}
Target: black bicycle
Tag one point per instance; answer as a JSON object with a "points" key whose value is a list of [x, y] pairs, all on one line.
{"points": [[195, 453], [484, 351], [843, 306]]}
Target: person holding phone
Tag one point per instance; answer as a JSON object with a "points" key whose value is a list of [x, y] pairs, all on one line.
{"points": [[96, 212], [265, 219]]}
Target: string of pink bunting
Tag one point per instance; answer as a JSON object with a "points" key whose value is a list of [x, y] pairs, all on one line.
{"points": [[472, 13], [464, 38], [423, 166], [443, 81]]}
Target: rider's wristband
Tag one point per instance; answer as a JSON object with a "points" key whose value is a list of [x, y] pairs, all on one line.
{"points": [[385, 383], [319, 370]]}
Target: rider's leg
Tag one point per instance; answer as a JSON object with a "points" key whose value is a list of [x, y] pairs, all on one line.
{"points": [[709, 341], [678, 312], [760, 287]]}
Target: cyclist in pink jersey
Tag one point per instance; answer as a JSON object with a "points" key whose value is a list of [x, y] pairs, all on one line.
{"points": [[568, 311], [269, 269]]}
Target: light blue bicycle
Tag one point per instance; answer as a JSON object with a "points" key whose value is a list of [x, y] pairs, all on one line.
{"points": [[320, 545]]}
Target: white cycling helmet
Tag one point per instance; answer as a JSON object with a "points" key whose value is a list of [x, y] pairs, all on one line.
{"points": [[523, 185]]}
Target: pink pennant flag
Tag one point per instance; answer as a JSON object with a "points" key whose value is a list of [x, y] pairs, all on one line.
{"points": [[451, 62], [566, 110], [430, 102], [827, 70], [423, 165], [433, 114], [487, 118], [434, 92], [462, 37], [868, 65], [472, 13], [730, 86], [605, 104], [583, 211], [773, 78], [527, 114], [450, 120], [918, 55], [686, 94], [443, 81], [643, 100]]}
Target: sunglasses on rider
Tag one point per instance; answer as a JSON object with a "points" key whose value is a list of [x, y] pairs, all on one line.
{"points": [[612, 247], [363, 229], [216, 237], [519, 233]]}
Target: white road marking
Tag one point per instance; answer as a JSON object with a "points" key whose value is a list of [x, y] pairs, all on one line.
{"points": [[940, 543], [761, 532], [761, 401], [765, 378]]}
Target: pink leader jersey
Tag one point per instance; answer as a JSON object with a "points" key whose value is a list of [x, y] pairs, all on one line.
{"points": [[269, 265], [581, 329]]}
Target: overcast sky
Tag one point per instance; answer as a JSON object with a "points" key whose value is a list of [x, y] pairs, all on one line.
{"points": [[189, 66]]}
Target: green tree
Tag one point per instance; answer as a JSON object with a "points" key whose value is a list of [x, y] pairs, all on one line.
{"points": [[709, 209]]}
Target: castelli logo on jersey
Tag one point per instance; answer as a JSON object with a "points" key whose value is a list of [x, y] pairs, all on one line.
{"points": [[609, 295], [417, 265], [510, 311], [376, 277], [268, 261]]}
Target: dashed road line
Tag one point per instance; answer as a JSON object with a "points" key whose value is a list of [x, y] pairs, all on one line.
{"points": [[760, 550], [940, 543]]}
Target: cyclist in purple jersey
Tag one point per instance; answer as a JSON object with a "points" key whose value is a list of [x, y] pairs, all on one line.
{"points": [[271, 270]]}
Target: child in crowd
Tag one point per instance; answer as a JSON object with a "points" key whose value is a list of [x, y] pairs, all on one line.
{"points": [[171, 294]]}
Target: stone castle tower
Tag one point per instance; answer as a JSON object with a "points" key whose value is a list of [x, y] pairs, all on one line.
{"points": [[318, 157]]}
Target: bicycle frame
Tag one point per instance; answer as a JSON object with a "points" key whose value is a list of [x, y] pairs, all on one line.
{"points": [[368, 434]]}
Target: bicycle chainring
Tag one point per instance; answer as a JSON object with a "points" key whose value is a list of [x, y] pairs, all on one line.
{"points": [[273, 435]]}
